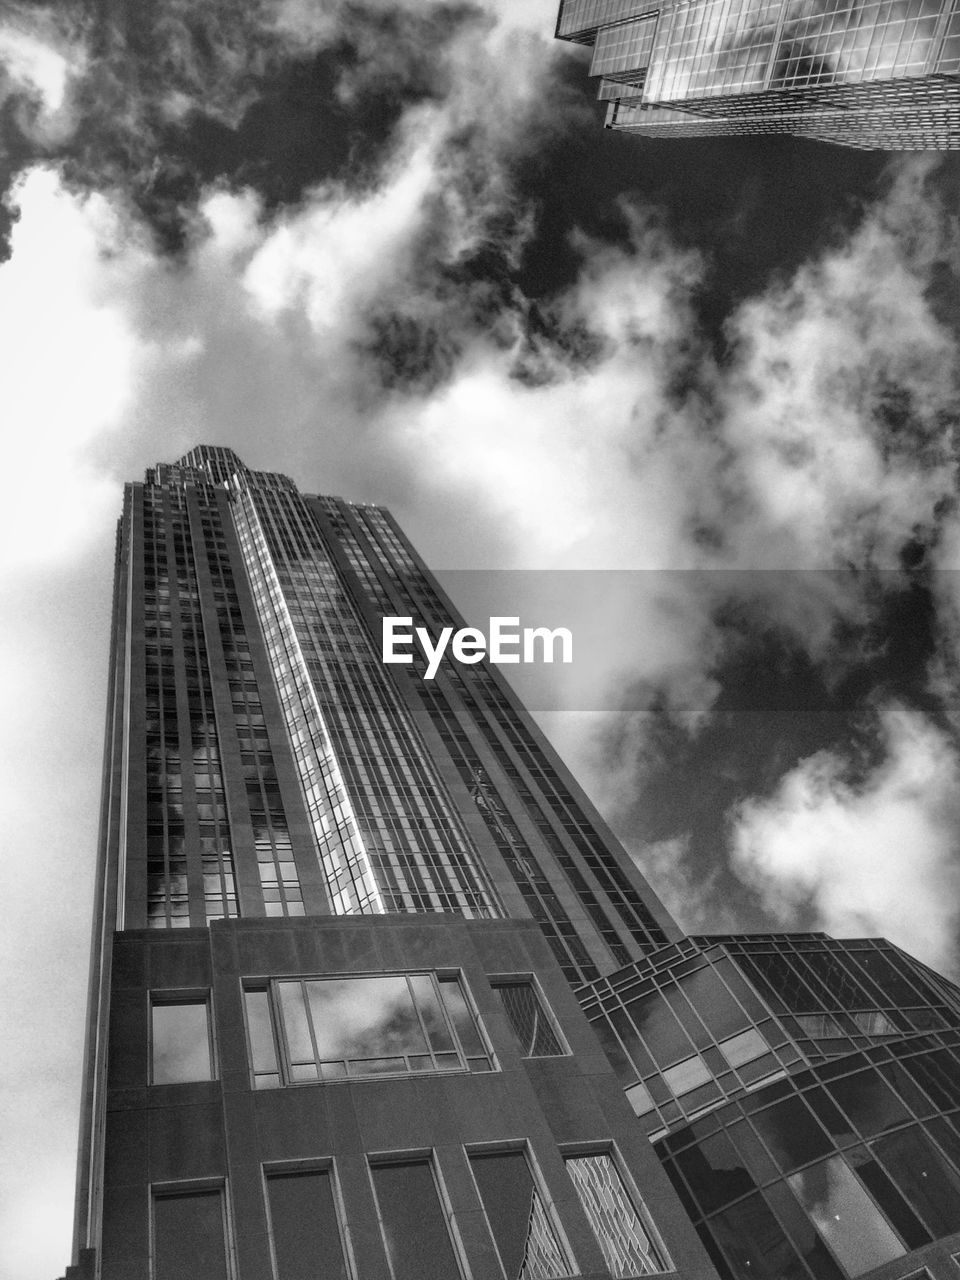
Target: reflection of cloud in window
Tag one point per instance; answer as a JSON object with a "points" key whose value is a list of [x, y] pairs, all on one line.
{"points": [[181, 1043], [364, 1018], [839, 42], [716, 48], [846, 1216]]}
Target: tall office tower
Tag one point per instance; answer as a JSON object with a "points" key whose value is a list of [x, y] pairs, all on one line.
{"points": [[376, 995], [340, 914], [868, 73]]}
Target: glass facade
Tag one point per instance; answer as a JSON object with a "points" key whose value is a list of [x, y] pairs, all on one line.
{"points": [[803, 1094], [867, 73], [285, 770], [185, 800], [505, 766]]}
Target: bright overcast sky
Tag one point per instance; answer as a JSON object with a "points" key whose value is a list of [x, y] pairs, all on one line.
{"points": [[386, 248]]}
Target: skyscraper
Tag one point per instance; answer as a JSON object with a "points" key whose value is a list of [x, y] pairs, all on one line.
{"points": [[340, 914], [376, 995], [867, 73]]}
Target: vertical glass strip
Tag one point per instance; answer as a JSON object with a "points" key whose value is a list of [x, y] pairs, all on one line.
{"points": [[343, 859]]}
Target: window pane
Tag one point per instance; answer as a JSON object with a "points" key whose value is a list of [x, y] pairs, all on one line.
{"points": [[897, 990], [189, 1236], [431, 1012], [754, 1243], [464, 1021], [891, 1202], [662, 1033], [263, 1051], [529, 1020], [518, 1219], [638, 1095], [744, 1048], [791, 1133], [846, 1216], [181, 1042], [712, 1000], [869, 1102], [627, 1247], [802, 1234], [364, 1017], [304, 1227], [414, 1229], [295, 1022], [924, 1177], [687, 1075], [874, 1024], [715, 1172]]}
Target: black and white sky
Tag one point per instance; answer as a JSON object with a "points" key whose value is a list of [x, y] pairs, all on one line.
{"points": [[386, 248]]}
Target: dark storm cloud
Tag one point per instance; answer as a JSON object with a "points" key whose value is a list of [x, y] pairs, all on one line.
{"points": [[166, 97]]}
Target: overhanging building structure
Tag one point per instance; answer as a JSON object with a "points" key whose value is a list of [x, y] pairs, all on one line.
{"points": [[376, 994], [871, 74]]}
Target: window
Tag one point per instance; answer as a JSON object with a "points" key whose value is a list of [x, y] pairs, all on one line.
{"points": [[638, 1095], [713, 1001], [180, 1046], [756, 1247], [745, 1047], [413, 1222], [523, 1232], [305, 1236], [791, 1133], [626, 1240], [874, 1023], [687, 1075], [309, 1029], [846, 1216], [929, 1183], [715, 1172], [529, 1018], [189, 1234], [869, 1102]]}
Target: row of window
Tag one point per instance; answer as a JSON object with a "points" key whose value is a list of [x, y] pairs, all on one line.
{"points": [[305, 1030], [309, 1235]]}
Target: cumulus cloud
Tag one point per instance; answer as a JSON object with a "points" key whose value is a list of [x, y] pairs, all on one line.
{"points": [[43, 58], [125, 99], [71, 359], [839, 405], [875, 854], [695, 902], [800, 468]]}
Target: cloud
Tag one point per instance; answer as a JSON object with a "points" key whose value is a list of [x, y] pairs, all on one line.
{"points": [[145, 99], [840, 398], [694, 901], [866, 855], [71, 360], [43, 57], [793, 473]]}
